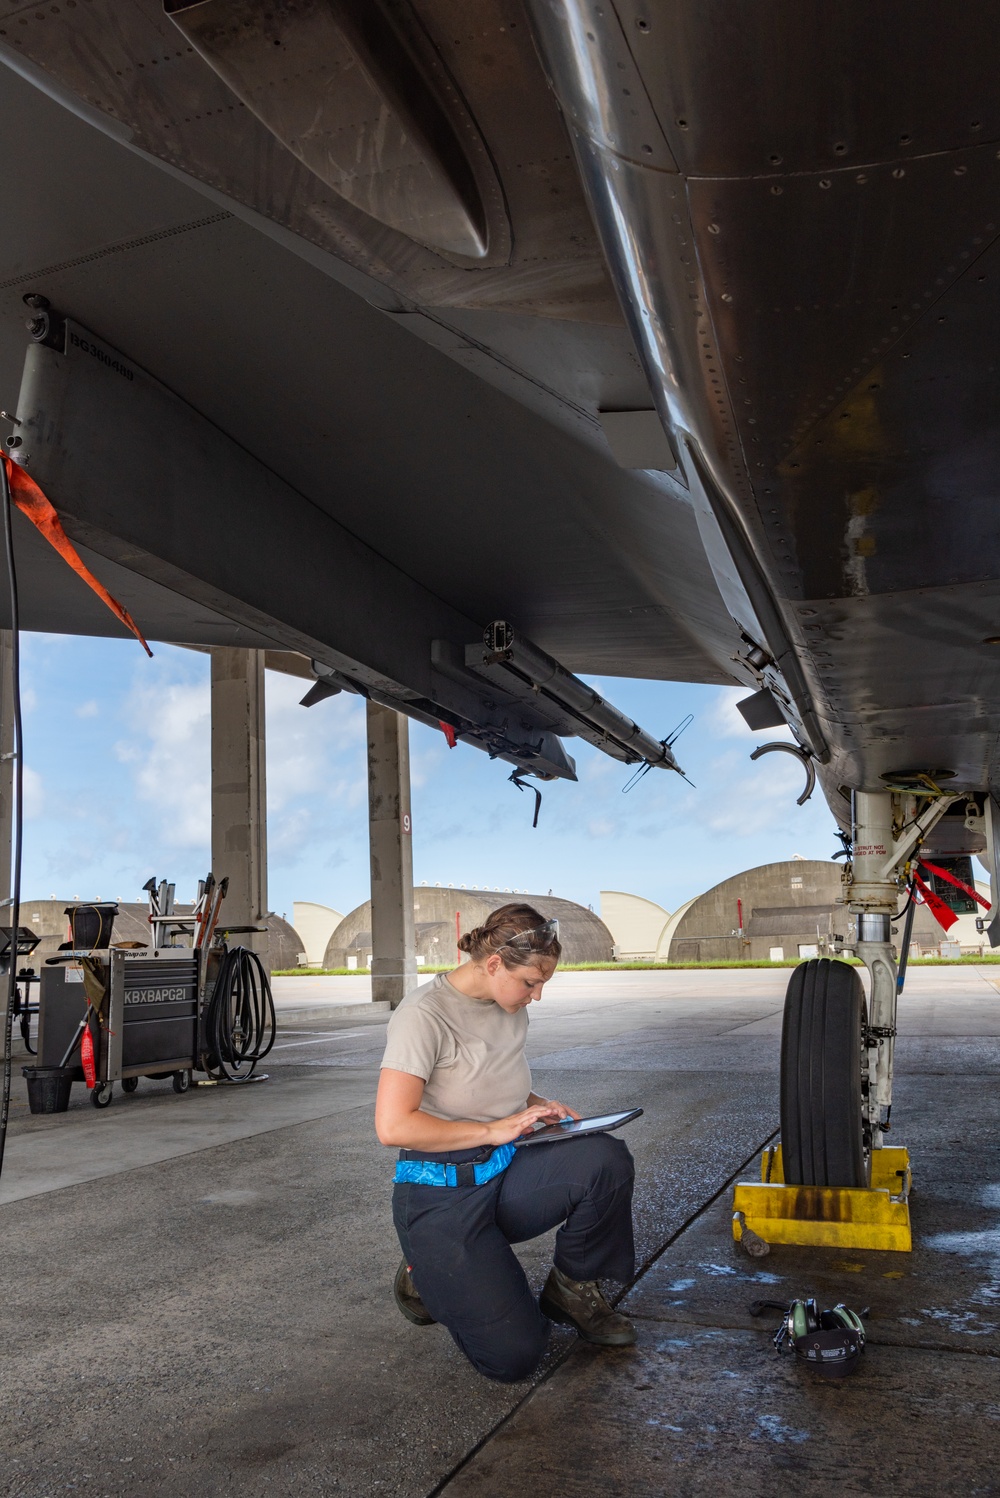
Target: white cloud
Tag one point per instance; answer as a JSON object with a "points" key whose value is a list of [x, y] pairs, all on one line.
{"points": [[754, 799], [88, 709], [427, 761], [317, 752], [34, 793], [169, 757], [598, 768], [289, 833], [725, 721]]}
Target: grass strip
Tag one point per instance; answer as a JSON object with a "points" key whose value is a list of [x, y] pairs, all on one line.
{"points": [[638, 967]]}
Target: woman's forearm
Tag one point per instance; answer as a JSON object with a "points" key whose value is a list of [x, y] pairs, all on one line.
{"points": [[422, 1131], [401, 1123]]}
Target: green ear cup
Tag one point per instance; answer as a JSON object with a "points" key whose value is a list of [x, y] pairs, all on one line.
{"points": [[798, 1318], [849, 1319]]}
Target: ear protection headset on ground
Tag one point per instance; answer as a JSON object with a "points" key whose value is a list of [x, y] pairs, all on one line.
{"points": [[830, 1341]]}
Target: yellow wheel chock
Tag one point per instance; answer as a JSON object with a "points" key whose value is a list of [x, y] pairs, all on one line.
{"points": [[874, 1217]]}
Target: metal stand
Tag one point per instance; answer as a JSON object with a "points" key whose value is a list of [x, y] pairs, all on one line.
{"points": [[24, 1008], [21, 1007]]}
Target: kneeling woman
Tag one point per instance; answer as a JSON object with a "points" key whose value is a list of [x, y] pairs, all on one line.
{"points": [[454, 1093]]}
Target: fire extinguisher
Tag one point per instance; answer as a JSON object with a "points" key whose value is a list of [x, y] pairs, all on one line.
{"points": [[87, 1056]]}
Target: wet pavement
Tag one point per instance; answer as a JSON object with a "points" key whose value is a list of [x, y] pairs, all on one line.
{"points": [[198, 1288]]}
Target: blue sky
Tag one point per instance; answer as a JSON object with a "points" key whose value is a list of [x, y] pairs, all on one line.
{"points": [[117, 789]]}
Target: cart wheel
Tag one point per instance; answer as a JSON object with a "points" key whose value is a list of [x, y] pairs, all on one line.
{"points": [[129, 1084], [102, 1094], [181, 1080]]}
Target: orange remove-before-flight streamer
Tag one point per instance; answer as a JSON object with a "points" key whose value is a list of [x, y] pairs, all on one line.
{"points": [[41, 512]]}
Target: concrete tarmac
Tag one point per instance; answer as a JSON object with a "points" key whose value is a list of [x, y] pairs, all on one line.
{"points": [[198, 1288]]}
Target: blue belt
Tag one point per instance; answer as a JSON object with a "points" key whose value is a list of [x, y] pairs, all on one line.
{"points": [[469, 1173]]}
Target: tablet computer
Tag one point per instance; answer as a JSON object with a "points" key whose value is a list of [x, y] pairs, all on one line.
{"points": [[572, 1128]]}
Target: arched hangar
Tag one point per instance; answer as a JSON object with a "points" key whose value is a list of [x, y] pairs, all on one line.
{"points": [[780, 911], [441, 914]]}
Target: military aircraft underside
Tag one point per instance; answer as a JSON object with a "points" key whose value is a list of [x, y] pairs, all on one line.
{"points": [[465, 345]]}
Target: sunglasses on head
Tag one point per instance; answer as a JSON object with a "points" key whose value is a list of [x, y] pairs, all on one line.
{"points": [[548, 932]]}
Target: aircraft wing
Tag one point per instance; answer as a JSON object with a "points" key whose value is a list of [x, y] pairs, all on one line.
{"points": [[434, 265]]}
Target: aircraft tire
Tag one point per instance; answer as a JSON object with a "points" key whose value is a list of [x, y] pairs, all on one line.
{"points": [[822, 1055]]}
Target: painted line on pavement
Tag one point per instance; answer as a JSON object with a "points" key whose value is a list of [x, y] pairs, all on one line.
{"points": [[290, 1045]]}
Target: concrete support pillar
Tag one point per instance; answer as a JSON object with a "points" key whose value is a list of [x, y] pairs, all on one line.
{"points": [[394, 966], [239, 787]]}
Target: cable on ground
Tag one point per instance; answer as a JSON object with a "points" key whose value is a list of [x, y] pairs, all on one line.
{"points": [[15, 886]]}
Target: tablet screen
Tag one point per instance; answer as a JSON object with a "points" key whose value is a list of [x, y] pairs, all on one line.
{"points": [[569, 1127]]}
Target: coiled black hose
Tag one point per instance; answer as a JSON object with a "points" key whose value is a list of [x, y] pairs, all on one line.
{"points": [[240, 1023]]}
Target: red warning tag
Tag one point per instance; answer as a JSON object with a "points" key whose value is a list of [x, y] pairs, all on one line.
{"points": [[944, 916], [949, 878]]}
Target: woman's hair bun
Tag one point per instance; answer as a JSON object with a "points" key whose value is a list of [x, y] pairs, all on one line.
{"points": [[515, 923]]}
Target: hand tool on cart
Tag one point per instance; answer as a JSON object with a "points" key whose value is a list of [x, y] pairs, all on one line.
{"points": [[205, 888], [212, 919]]}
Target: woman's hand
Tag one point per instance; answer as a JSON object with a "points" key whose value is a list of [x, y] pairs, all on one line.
{"points": [[564, 1112], [506, 1130]]}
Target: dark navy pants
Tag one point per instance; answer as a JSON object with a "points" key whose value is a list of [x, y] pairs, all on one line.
{"points": [[457, 1240]]}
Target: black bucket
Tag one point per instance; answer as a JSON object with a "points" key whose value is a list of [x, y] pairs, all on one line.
{"points": [[48, 1088], [91, 926]]}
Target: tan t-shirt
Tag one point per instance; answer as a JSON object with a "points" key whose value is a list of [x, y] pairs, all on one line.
{"points": [[469, 1052]]}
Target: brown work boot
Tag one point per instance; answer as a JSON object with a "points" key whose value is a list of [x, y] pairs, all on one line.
{"points": [[408, 1300], [580, 1303]]}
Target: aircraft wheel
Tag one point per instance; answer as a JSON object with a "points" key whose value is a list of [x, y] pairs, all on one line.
{"points": [[129, 1084], [824, 1076], [102, 1094]]}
